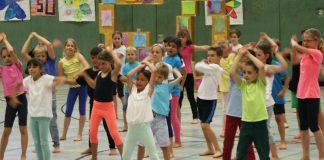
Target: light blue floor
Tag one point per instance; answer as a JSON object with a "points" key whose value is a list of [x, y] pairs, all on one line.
{"points": [[192, 137]]}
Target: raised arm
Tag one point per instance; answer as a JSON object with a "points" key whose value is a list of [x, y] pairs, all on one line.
{"points": [[24, 50], [272, 43], [179, 77], [298, 47], [273, 69], [130, 75], [201, 48], [117, 64], [259, 64], [9, 48], [49, 45], [153, 75], [233, 71]]}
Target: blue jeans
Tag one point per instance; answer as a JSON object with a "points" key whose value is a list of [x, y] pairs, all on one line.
{"points": [[53, 124]]}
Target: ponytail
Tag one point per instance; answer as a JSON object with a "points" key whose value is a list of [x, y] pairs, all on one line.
{"points": [[321, 45]]}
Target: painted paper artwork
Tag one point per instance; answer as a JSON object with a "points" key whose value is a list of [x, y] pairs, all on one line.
{"points": [[184, 22], [106, 18], [214, 6], [14, 10], [143, 53], [139, 40], [125, 39], [219, 24], [77, 10], [109, 1], [43, 7], [233, 8], [188, 7]]}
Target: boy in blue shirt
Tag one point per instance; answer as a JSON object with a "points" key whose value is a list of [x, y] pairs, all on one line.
{"points": [[160, 108]]}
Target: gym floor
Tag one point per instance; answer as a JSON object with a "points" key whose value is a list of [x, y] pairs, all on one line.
{"points": [[191, 135]]}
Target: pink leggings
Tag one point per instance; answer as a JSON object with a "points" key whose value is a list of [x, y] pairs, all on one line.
{"points": [[104, 110], [174, 118]]}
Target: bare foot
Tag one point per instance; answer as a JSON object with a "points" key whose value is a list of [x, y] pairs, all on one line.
{"points": [[274, 158], [123, 130], [286, 125], [22, 157], [206, 153], [87, 151], [56, 150], [171, 155], [62, 138], [222, 134], [77, 138], [195, 121], [282, 146], [297, 136], [112, 152], [218, 154], [304, 158], [176, 145]]}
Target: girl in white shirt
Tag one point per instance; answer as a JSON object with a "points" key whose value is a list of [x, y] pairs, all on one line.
{"points": [[139, 112], [39, 95]]}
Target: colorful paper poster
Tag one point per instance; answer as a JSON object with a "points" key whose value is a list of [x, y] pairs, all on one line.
{"points": [[43, 7], [219, 24], [214, 6], [143, 53], [14, 10], [139, 40], [106, 18], [233, 8], [188, 7], [77, 10], [125, 39], [109, 1], [184, 22]]}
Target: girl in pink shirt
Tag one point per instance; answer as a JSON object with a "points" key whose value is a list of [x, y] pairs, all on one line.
{"points": [[11, 75], [308, 91], [186, 52]]}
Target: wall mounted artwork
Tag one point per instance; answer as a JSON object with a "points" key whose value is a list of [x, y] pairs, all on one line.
{"points": [[43, 7], [11, 10], [77, 10]]}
